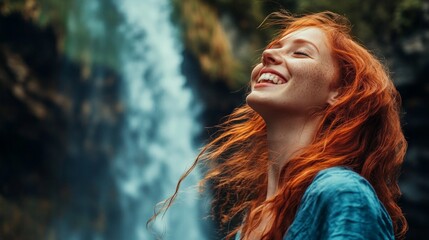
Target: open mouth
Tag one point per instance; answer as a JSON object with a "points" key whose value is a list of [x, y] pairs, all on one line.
{"points": [[270, 78]]}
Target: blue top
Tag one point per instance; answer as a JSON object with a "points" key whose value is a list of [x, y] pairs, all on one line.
{"points": [[340, 204]]}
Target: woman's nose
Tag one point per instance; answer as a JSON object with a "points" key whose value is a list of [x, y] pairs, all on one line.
{"points": [[270, 57]]}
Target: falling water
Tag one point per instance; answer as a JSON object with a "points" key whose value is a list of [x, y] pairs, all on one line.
{"points": [[157, 128], [160, 125]]}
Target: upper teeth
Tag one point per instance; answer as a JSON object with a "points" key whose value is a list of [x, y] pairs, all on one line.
{"points": [[270, 77]]}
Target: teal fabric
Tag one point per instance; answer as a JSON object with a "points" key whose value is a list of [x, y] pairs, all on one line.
{"points": [[340, 204]]}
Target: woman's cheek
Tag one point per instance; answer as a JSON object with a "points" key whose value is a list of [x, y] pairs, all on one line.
{"points": [[255, 72]]}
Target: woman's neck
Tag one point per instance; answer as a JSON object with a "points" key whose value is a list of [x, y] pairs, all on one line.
{"points": [[285, 137]]}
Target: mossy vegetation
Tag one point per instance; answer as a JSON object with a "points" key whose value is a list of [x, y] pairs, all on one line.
{"points": [[372, 20], [208, 37], [223, 35]]}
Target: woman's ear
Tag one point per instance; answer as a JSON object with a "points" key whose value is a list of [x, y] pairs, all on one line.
{"points": [[332, 97]]}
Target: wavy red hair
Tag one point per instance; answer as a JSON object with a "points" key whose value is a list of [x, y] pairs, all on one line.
{"points": [[362, 130]]}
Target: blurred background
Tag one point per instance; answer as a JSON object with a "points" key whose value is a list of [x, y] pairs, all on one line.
{"points": [[104, 104]]}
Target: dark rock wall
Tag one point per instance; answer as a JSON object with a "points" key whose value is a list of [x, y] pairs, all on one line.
{"points": [[50, 164], [32, 127]]}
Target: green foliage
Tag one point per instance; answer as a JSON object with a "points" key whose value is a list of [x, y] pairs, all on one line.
{"points": [[76, 38], [226, 50], [76, 25], [207, 40], [8, 6], [407, 14], [246, 14], [222, 35], [54, 12], [373, 21]]}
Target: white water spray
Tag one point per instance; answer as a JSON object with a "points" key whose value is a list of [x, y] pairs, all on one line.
{"points": [[159, 126]]}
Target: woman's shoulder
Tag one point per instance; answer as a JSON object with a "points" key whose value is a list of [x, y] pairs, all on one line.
{"points": [[341, 191], [342, 186], [342, 203], [340, 179]]}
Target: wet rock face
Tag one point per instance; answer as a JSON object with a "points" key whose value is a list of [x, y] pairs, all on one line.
{"points": [[39, 178], [30, 112], [414, 179], [32, 124], [410, 71]]}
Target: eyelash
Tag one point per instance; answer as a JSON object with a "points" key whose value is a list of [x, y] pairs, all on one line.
{"points": [[296, 52], [301, 53]]}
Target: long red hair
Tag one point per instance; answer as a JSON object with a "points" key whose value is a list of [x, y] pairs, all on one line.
{"points": [[362, 130]]}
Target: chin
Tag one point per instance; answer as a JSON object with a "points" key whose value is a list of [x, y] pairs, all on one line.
{"points": [[252, 100], [260, 105]]}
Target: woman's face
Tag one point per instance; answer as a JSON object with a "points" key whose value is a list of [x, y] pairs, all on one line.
{"points": [[294, 75]]}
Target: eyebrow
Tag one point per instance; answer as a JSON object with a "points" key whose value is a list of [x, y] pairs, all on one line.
{"points": [[300, 41], [305, 41]]}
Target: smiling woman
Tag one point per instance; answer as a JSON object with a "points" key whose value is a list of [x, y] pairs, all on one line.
{"points": [[316, 151], [302, 61]]}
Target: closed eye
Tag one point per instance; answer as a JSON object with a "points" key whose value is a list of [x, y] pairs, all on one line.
{"points": [[301, 53]]}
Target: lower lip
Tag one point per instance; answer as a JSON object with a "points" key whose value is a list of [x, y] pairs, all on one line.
{"points": [[264, 84]]}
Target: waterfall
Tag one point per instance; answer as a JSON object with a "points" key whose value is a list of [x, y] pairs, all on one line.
{"points": [[160, 125], [142, 155]]}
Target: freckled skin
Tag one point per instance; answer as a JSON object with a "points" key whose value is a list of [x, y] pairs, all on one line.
{"points": [[303, 58], [309, 76]]}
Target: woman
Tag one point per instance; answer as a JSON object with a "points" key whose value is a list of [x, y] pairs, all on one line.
{"points": [[316, 151]]}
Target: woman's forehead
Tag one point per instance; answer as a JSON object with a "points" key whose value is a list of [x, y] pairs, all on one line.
{"points": [[313, 35]]}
